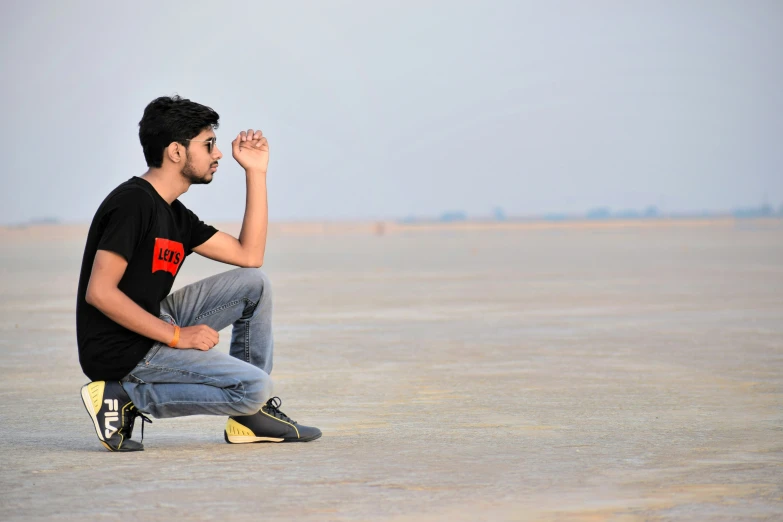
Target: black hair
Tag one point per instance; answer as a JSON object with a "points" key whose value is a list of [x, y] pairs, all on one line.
{"points": [[168, 119]]}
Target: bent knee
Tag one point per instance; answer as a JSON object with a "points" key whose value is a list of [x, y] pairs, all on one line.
{"points": [[256, 281]]}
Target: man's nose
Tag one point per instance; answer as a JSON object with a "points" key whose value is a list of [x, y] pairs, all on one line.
{"points": [[216, 153]]}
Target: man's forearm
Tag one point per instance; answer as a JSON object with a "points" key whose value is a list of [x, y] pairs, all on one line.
{"points": [[121, 309], [255, 223]]}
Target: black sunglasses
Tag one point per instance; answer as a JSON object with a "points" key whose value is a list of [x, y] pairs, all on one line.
{"points": [[211, 142]]}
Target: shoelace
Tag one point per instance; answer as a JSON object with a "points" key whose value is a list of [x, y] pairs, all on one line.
{"points": [[132, 414], [273, 407]]}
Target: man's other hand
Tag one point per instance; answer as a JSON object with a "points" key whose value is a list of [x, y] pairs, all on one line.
{"points": [[200, 337], [251, 150]]}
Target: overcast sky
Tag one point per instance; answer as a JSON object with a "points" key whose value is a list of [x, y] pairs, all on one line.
{"points": [[391, 109]]}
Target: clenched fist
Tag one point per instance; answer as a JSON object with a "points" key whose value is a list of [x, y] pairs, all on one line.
{"points": [[200, 337], [251, 150]]}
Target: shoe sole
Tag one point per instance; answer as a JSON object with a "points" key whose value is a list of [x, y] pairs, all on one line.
{"points": [[245, 439], [88, 405]]}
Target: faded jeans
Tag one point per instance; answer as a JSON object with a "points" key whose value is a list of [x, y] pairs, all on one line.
{"points": [[171, 382]]}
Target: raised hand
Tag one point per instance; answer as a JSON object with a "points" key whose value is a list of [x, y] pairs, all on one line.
{"points": [[251, 150], [200, 337]]}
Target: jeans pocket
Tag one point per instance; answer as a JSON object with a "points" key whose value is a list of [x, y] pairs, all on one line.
{"points": [[150, 354], [132, 378]]}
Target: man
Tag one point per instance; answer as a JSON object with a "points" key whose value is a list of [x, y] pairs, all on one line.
{"points": [[150, 352]]}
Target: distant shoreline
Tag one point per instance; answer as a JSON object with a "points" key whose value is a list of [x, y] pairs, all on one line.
{"points": [[38, 231]]}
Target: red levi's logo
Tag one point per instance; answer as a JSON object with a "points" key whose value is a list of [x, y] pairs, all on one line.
{"points": [[167, 255]]}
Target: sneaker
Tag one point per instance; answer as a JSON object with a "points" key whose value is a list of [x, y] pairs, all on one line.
{"points": [[113, 414], [268, 425]]}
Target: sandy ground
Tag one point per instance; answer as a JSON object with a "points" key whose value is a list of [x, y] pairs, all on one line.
{"points": [[515, 373]]}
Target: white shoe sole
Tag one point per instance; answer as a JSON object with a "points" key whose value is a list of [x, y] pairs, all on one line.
{"points": [[87, 400]]}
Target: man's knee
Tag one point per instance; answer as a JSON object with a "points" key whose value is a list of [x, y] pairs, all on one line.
{"points": [[256, 392], [256, 281]]}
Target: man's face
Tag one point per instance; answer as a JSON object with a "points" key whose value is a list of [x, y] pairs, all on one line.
{"points": [[201, 164]]}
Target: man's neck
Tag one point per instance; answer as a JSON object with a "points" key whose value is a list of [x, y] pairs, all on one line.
{"points": [[169, 185]]}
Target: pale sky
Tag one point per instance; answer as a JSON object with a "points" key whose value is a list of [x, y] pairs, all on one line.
{"points": [[391, 109]]}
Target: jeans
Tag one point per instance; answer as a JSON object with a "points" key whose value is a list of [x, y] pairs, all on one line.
{"points": [[171, 382]]}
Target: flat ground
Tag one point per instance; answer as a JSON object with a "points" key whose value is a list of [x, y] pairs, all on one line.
{"points": [[572, 374]]}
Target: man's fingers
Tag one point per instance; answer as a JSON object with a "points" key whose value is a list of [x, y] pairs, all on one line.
{"points": [[213, 334], [250, 138], [250, 135], [206, 337], [210, 336]]}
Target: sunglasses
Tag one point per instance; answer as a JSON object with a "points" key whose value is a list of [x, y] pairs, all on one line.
{"points": [[211, 142]]}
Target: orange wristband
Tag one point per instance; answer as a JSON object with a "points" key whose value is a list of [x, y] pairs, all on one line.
{"points": [[175, 340]]}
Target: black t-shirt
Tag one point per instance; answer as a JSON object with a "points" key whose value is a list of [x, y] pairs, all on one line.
{"points": [[154, 237]]}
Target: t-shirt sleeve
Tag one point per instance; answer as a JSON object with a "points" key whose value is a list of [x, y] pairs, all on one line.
{"points": [[127, 217], [200, 232]]}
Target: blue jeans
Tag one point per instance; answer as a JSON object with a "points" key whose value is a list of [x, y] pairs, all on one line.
{"points": [[171, 382]]}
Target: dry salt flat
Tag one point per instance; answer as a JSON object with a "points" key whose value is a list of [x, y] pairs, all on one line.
{"points": [[571, 372]]}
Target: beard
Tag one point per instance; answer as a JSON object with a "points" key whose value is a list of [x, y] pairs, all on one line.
{"points": [[190, 174]]}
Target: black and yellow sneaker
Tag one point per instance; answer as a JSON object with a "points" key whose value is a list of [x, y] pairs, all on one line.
{"points": [[113, 414], [268, 425]]}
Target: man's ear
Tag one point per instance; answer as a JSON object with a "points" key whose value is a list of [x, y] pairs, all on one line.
{"points": [[175, 152]]}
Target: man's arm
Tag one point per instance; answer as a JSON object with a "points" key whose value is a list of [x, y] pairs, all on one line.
{"points": [[251, 150], [102, 293]]}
